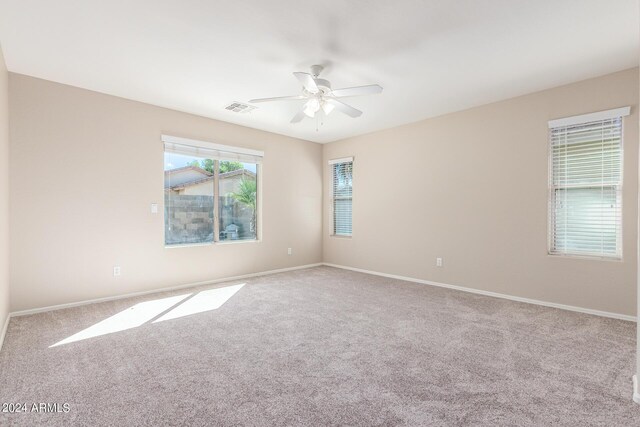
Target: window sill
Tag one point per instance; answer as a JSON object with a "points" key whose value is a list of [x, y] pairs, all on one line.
{"points": [[188, 245], [341, 236], [222, 243], [585, 257], [234, 242]]}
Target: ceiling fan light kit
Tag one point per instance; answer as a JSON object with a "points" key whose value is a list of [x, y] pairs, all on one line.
{"points": [[311, 107], [320, 97]]}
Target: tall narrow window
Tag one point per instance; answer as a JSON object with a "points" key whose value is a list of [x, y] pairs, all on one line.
{"points": [[210, 192], [341, 195], [585, 185]]}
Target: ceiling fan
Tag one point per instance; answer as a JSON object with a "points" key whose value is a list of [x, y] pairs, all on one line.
{"points": [[320, 97]]}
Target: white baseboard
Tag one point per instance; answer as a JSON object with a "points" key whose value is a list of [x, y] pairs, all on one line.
{"points": [[490, 294], [153, 291], [3, 333], [281, 270]]}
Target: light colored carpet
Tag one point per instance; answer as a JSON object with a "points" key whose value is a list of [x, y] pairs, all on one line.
{"points": [[325, 347]]}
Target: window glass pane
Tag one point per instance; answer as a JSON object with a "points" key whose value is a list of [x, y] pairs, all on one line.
{"points": [[188, 199], [238, 198], [586, 220]]}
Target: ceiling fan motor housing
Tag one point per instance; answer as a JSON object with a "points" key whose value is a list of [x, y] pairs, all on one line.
{"points": [[316, 70], [323, 85]]}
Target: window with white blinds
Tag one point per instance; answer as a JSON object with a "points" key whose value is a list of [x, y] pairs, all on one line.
{"points": [[341, 195], [585, 185]]}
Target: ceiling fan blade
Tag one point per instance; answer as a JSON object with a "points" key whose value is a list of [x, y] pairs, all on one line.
{"points": [[278, 98], [347, 109], [298, 117], [307, 81], [357, 91]]}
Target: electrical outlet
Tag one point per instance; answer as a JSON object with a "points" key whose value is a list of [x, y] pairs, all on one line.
{"points": [[154, 208], [289, 252], [438, 262], [116, 271]]}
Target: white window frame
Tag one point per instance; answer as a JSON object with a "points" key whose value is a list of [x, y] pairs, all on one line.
{"points": [[572, 121], [219, 152], [332, 198]]}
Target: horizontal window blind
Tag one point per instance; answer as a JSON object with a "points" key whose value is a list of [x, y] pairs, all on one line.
{"points": [[209, 150], [342, 193], [585, 189]]}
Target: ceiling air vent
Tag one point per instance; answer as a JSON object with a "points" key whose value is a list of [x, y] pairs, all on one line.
{"points": [[239, 107]]}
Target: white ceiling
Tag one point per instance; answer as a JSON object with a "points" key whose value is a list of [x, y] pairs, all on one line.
{"points": [[431, 56]]}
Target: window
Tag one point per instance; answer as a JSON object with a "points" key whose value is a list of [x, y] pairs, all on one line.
{"points": [[210, 192], [341, 195], [585, 185]]}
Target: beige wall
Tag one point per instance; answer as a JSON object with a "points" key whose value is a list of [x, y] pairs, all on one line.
{"points": [[4, 193], [637, 375], [102, 159], [471, 187]]}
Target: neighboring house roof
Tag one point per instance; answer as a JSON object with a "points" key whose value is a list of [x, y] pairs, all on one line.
{"points": [[190, 183], [209, 176], [237, 172], [186, 168]]}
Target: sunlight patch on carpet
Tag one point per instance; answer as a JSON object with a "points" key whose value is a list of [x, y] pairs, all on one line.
{"points": [[159, 309], [201, 302]]}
